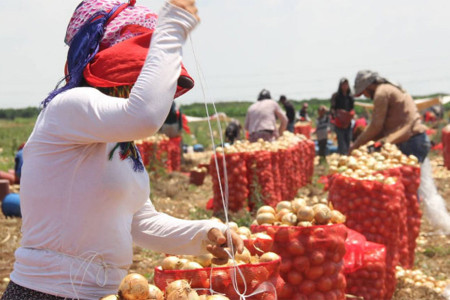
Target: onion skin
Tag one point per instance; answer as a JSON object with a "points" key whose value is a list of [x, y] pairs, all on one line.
{"points": [[268, 257], [110, 297], [265, 218], [170, 263], [155, 293], [133, 287], [305, 214]]}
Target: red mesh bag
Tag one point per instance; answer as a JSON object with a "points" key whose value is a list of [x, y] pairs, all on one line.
{"points": [[312, 260], [446, 145], [310, 160], [303, 128], [262, 275], [369, 281], [277, 178], [373, 209], [411, 182], [237, 181], [260, 179], [354, 251], [175, 153], [258, 244]]}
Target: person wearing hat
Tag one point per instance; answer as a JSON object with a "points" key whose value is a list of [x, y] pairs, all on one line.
{"points": [[84, 190], [261, 119], [322, 125], [290, 112], [395, 118], [342, 104]]}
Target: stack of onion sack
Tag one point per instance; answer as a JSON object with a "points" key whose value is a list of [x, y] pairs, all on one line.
{"points": [[154, 151], [373, 203], [369, 280], [259, 274], [309, 237], [389, 161], [303, 128], [446, 144], [273, 170], [175, 153], [237, 181]]}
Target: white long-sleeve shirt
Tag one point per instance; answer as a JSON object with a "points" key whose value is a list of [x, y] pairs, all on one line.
{"points": [[81, 211]]}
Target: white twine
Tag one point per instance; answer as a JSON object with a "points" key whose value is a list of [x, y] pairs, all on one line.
{"points": [[265, 286]]}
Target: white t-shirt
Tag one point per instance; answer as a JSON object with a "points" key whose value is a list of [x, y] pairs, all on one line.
{"points": [[81, 211]]}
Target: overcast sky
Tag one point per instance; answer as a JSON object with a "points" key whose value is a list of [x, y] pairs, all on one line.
{"points": [[300, 48]]}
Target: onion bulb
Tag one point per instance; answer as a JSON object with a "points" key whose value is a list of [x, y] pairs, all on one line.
{"points": [[134, 287], [244, 231], [297, 204], [176, 285], [289, 219], [217, 297], [233, 226], [110, 297], [204, 259], [269, 256], [305, 213], [191, 265], [265, 218], [337, 217], [322, 214], [265, 209], [283, 204], [245, 256], [170, 263], [155, 293]]}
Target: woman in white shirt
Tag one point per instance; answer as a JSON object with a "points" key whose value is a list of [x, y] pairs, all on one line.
{"points": [[84, 191]]}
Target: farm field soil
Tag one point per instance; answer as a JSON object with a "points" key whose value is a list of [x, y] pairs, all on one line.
{"points": [[173, 194]]}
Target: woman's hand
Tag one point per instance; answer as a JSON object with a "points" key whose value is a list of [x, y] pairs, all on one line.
{"points": [[218, 244], [188, 5]]}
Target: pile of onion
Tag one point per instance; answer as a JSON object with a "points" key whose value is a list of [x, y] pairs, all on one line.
{"points": [[302, 212]]}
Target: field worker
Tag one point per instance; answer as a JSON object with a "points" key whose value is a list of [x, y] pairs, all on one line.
{"points": [[261, 119], [290, 112], [303, 113], [395, 118], [84, 191], [342, 104], [322, 125]]}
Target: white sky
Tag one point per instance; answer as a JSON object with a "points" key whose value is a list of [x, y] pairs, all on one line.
{"points": [[300, 48]]}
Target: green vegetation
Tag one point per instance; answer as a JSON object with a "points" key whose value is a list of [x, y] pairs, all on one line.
{"points": [[12, 135], [11, 113]]}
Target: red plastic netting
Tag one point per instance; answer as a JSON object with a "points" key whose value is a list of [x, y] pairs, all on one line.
{"points": [[369, 281], [155, 154], [373, 209], [175, 153], [260, 179], [312, 260], [257, 277], [303, 128], [237, 181]]}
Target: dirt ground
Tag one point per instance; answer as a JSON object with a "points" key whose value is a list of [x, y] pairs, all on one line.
{"points": [[172, 193]]}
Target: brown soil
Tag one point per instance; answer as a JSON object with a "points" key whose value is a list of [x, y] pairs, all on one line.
{"points": [[172, 193]]}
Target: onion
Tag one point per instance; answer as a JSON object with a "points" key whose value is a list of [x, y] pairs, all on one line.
{"points": [[322, 214], [283, 204], [233, 226], [289, 219], [297, 204], [155, 293], [244, 231], [134, 287], [265, 218], [181, 263], [170, 263], [176, 285], [281, 213], [204, 259], [304, 224], [191, 265], [111, 297], [305, 214], [245, 256], [265, 209], [269, 256], [337, 217]]}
